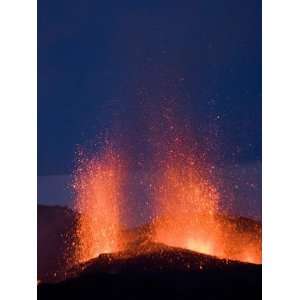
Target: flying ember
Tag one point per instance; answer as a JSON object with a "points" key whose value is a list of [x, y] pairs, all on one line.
{"points": [[98, 192], [187, 208], [189, 218], [186, 203]]}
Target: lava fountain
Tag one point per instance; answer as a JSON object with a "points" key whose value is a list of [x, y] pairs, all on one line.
{"points": [[97, 184], [187, 206], [189, 217]]}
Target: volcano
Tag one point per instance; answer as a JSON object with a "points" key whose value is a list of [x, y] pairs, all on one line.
{"points": [[190, 248], [152, 270]]}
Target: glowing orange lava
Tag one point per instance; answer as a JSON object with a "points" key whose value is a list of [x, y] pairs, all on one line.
{"points": [[98, 191], [188, 205], [188, 214]]}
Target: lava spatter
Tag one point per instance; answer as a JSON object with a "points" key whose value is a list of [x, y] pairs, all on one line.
{"points": [[98, 189]]}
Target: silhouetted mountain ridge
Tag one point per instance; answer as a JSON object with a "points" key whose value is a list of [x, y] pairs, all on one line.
{"points": [[55, 229], [157, 271]]}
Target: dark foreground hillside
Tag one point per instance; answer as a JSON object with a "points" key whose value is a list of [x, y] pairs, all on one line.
{"points": [[54, 228], [158, 272]]}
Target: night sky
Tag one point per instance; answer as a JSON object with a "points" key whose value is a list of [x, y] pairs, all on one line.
{"points": [[98, 59]]}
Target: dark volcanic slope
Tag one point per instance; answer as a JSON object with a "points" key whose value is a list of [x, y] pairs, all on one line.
{"points": [[54, 228], [158, 271]]}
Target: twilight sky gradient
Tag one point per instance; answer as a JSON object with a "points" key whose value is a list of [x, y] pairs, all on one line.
{"points": [[106, 65], [98, 59]]}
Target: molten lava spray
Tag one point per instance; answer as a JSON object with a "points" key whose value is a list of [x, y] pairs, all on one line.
{"points": [[187, 207], [98, 190], [186, 203]]}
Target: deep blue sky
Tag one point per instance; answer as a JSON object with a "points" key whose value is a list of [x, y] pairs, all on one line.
{"points": [[97, 59]]}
